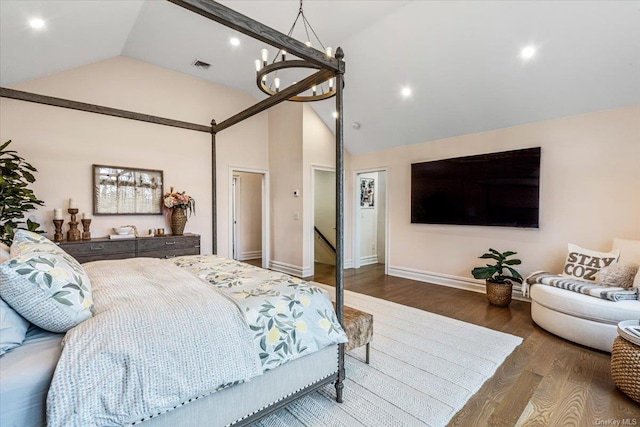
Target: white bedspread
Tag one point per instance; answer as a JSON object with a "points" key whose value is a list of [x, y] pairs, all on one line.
{"points": [[107, 373]]}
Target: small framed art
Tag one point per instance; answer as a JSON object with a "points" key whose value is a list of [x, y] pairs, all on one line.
{"points": [[367, 193]]}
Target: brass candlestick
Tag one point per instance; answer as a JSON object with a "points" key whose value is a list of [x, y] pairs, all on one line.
{"points": [[73, 235], [86, 234], [58, 236]]}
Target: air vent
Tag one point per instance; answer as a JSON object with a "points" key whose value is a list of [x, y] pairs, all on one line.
{"points": [[201, 64]]}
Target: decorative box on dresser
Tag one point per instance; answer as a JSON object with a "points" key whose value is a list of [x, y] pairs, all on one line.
{"points": [[150, 247]]}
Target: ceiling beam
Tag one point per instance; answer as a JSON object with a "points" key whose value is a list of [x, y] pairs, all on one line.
{"points": [[293, 90], [254, 29], [98, 109]]}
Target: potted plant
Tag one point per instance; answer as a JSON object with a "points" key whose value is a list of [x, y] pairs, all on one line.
{"points": [[499, 285], [15, 198]]}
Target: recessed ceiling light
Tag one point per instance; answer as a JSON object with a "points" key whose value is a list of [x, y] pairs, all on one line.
{"points": [[528, 52], [36, 23], [355, 125], [234, 41], [406, 92]]}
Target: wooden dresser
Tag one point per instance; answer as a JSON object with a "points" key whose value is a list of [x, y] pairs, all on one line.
{"points": [[152, 247]]}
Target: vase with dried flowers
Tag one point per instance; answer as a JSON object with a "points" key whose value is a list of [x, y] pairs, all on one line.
{"points": [[177, 206]]}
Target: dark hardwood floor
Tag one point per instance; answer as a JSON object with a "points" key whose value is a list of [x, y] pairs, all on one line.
{"points": [[546, 381]]}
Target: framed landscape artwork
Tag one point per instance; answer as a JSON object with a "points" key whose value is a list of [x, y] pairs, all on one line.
{"points": [[126, 191]]}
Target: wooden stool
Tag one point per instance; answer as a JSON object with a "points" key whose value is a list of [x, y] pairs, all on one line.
{"points": [[359, 328]]}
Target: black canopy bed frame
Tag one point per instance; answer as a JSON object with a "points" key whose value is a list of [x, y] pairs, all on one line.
{"points": [[327, 67]]}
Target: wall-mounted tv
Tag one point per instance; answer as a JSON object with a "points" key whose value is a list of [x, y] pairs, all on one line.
{"points": [[497, 189]]}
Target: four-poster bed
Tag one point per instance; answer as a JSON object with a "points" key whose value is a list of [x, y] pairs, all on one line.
{"points": [[310, 372]]}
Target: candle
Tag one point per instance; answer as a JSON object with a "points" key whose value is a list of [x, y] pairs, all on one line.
{"points": [[73, 204], [86, 215], [57, 214]]}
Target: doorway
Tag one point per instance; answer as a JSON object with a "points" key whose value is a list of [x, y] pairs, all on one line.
{"points": [[324, 219], [371, 219], [248, 230]]}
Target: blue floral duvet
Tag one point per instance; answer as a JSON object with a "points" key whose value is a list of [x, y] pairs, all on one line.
{"points": [[288, 317]]}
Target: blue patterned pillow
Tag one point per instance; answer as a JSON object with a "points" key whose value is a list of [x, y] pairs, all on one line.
{"points": [[50, 290], [25, 241]]}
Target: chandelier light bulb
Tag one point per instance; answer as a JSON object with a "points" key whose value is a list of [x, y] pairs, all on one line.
{"points": [[284, 55], [234, 41], [258, 65], [330, 84], [276, 82], [265, 56], [313, 88], [335, 114], [308, 43], [329, 52]]}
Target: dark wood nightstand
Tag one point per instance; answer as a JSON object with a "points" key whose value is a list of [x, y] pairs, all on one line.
{"points": [[151, 247]]}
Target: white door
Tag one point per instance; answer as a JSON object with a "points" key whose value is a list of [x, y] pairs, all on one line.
{"points": [[234, 215], [371, 222]]}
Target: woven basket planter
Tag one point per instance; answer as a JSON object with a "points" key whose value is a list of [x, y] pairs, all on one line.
{"points": [[499, 293], [625, 367], [178, 221]]}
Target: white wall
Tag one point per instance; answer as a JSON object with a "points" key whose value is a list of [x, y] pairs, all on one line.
{"points": [[285, 166], [298, 141], [590, 193], [63, 144], [249, 217]]}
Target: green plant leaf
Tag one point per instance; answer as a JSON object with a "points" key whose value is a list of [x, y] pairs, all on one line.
{"points": [[513, 262], [516, 275], [484, 272]]}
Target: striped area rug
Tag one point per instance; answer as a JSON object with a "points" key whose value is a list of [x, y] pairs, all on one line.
{"points": [[424, 368]]}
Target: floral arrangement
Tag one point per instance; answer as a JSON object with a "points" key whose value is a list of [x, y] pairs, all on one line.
{"points": [[174, 200]]}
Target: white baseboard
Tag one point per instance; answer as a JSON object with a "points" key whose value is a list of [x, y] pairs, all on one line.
{"points": [[348, 263], [294, 270], [449, 280], [368, 260], [250, 255]]}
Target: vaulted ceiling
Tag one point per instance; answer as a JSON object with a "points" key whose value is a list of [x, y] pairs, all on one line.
{"points": [[461, 59]]}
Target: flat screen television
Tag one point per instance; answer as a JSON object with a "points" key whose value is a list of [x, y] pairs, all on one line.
{"points": [[497, 189]]}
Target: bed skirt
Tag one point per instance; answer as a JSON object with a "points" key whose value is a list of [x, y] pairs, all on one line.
{"points": [[237, 404]]}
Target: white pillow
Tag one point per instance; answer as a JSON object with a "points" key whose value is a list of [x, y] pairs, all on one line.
{"points": [[584, 264], [630, 253], [619, 274], [13, 328]]}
